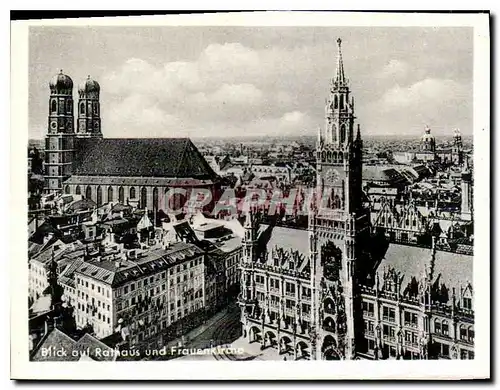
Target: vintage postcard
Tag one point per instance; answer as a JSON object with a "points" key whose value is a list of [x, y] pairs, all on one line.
{"points": [[268, 195]]}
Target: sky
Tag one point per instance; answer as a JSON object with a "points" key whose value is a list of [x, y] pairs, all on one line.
{"points": [[256, 81]]}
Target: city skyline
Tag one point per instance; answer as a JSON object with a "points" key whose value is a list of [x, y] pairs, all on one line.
{"points": [[222, 78]]}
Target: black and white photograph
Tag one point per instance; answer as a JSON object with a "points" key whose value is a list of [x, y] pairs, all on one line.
{"points": [[274, 192]]}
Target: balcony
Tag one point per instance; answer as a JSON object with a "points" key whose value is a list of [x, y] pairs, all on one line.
{"points": [[391, 339], [369, 314]]}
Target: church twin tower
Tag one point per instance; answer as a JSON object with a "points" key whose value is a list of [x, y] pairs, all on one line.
{"points": [[60, 140]]}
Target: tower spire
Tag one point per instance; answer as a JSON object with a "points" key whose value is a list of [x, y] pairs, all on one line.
{"points": [[340, 76]]}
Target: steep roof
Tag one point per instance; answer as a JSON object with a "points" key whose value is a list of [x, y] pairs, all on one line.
{"points": [[59, 341], [455, 269], [133, 157]]}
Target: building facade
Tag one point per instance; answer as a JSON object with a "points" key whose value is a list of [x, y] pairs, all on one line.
{"points": [[314, 305], [143, 294], [140, 171]]}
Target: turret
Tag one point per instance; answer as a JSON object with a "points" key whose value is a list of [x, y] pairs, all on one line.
{"points": [[59, 142], [89, 119]]}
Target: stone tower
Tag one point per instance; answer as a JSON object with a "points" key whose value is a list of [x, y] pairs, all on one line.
{"points": [[59, 142], [466, 187], [428, 141], [89, 110], [336, 226], [457, 149]]}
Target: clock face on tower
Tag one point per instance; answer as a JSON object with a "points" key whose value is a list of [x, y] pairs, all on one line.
{"points": [[332, 176]]}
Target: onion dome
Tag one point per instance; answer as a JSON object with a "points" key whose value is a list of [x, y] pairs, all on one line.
{"points": [[61, 81], [427, 135], [89, 85]]}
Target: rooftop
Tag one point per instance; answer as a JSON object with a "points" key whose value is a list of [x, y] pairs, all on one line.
{"points": [[456, 269], [148, 157]]}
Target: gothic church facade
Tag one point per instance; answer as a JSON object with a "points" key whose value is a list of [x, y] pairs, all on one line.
{"points": [[139, 170]]}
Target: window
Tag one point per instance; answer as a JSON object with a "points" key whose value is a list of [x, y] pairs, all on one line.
{"points": [[290, 288], [82, 108], [437, 326], [132, 192], [468, 303], [78, 190], [464, 354], [388, 314], [98, 289], [368, 308], [275, 283], [471, 335], [411, 319], [463, 333], [444, 328], [53, 106], [125, 290]]}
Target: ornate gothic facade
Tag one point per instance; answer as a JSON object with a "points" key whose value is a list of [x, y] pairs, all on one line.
{"points": [[330, 302]]}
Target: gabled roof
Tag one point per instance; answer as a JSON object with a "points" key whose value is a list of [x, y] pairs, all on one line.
{"points": [[60, 341], [132, 157]]}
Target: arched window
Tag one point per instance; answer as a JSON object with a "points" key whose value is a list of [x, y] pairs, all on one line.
{"points": [[471, 334], [336, 102], [444, 328], [342, 132], [132, 193], [437, 326], [82, 108], [463, 333], [143, 199], [341, 102], [53, 106], [110, 194], [121, 195], [66, 190], [99, 196], [78, 190], [88, 192], [336, 202]]}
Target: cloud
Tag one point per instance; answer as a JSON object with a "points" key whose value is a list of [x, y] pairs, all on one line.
{"points": [[228, 84], [443, 104], [139, 115], [230, 94], [426, 94], [395, 69]]}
